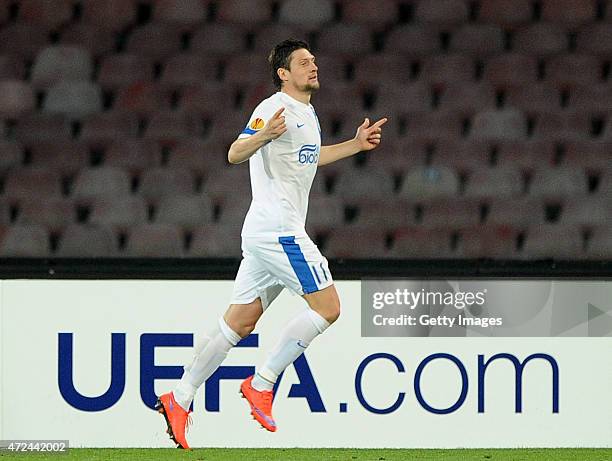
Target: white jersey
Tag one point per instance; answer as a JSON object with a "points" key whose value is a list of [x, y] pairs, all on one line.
{"points": [[282, 171]]}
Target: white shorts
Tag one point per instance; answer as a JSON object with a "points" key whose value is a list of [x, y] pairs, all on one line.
{"points": [[271, 263]]}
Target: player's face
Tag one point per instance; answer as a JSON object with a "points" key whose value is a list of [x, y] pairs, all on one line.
{"points": [[303, 72]]}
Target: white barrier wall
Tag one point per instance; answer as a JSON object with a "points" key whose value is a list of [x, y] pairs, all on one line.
{"points": [[323, 401]]}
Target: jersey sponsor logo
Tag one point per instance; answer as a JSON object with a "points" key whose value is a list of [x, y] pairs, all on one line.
{"points": [[300, 125], [308, 154], [257, 124]]}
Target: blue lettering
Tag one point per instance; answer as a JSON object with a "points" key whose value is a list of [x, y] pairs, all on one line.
{"points": [[464, 384], [65, 375], [149, 372], [307, 387], [358, 386], [518, 378]]}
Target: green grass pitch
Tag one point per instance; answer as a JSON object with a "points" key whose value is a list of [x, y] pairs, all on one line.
{"points": [[321, 454]]}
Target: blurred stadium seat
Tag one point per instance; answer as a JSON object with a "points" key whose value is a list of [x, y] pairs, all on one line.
{"points": [[105, 181], [541, 39], [600, 244], [87, 241], [511, 69], [558, 183], [355, 186], [103, 129], [517, 212], [345, 39], [423, 243], [115, 15], [595, 39], [16, 98], [494, 183], [375, 15], [413, 40], [213, 242], [132, 155], [429, 183], [507, 13], [11, 155], [123, 69], [534, 99], [143, 99], [442, 70], [31, 184], [451, 213], [118, 213], [182, 13], [97, 40], [46, 14], [40, 127], [307, 14], [489, 242], [52, 213], [189, 70], [155, 41], [58, 63], [154, 240], [587, 212], [553, 241], [499, 125], [362, 244], [467, 98], [25, 241], [64, 156], [218, 40], [159, 182], [73, 99], [569, 12], [480, 40], [186, 211], [571, 70], [24, 40], [11, 67], [244, 12], [442, 12]]}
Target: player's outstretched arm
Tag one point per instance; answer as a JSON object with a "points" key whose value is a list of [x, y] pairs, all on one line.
{"points": [[367, 137], [242, 149]]}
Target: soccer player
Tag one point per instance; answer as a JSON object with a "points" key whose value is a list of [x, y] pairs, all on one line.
{"points": [[282, 142]]}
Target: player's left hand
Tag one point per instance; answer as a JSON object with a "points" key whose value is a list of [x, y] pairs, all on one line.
{"points": [[369, 136]]}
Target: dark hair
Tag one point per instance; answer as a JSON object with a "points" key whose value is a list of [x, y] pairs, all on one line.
{"points": [[280, 56]]}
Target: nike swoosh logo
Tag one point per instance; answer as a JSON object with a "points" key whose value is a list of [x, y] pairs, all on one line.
{"points": [[265, 417], [300, 126]]}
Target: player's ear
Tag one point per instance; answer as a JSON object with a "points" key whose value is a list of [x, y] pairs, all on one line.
{"points": [[282, 74]]}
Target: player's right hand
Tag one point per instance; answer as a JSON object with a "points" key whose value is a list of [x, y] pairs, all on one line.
{"points": [[275, 127]]}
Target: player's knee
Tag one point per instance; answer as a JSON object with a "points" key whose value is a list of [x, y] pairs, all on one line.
{"points": [[333, 312]]}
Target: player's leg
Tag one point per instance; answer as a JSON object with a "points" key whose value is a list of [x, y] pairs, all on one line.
{"points": [[238, 321], [324, 309], [301, 267]]}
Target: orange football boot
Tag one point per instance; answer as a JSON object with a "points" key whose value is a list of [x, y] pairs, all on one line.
{"points": [[261, 404], [176, 418]]}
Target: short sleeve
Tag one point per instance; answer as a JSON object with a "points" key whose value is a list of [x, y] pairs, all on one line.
{"points": [[262, 113]]}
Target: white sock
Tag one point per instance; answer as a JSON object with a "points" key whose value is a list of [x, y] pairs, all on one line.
{"points": [[209, 354], [295, 338]]}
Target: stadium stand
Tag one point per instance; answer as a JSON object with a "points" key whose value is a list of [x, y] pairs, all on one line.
{"points": [[116, 115]]}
